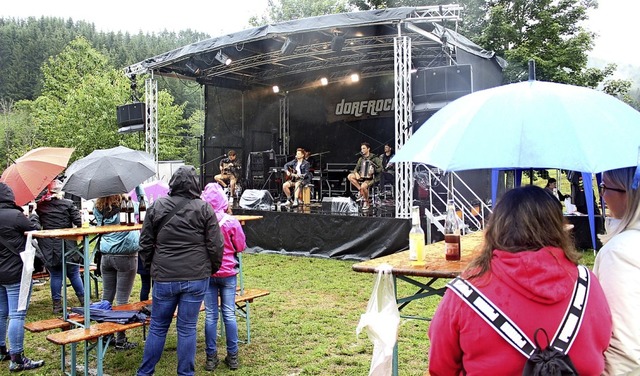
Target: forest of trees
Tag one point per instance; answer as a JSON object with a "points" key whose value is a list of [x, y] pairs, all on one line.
{"points": [[61, 80]]}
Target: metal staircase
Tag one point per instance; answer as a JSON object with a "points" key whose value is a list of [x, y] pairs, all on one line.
{"points": [[472, 210]]}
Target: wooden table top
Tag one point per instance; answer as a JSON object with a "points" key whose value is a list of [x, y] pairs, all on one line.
{"points": [[435, 264], [79, 232]]}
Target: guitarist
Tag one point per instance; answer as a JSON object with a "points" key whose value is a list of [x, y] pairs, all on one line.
{"points": [[229, 172], [297, 175]]}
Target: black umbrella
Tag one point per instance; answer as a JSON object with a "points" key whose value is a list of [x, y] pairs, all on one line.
{"points": [[108, 172]]}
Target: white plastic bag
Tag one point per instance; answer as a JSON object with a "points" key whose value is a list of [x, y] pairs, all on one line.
{"points": [[381, 322], [27, 256]]}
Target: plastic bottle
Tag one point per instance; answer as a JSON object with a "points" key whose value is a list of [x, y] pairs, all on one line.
{"points": [[123, 212], [85, 218], [142, 209], [416, 238], [451, 233]]}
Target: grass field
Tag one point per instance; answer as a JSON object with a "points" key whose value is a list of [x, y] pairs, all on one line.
{"points": [[306, 326]]}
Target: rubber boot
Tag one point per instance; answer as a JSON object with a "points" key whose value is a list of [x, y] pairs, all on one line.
{"points": [[212, 362], [19, 362], [4, 354], [57, 306], [232, 361]]}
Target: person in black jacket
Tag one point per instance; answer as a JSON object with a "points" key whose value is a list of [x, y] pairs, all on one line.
{"points": [[13, 225], [56, 212], [181, 243]]}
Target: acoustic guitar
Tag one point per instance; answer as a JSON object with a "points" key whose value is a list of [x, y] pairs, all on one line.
{"points": [[292, 175]]}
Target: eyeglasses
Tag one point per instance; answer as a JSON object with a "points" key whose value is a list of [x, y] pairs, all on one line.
{"points": [[604, 188]]}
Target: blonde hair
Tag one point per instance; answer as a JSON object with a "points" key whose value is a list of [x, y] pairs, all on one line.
{"points": [[622, 178], [108, 203]]}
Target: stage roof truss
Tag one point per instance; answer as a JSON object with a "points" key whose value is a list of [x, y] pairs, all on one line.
{"points": [[259, 59]]}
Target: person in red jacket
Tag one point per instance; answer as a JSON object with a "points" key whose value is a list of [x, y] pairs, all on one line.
{"points": [[527, 268]]}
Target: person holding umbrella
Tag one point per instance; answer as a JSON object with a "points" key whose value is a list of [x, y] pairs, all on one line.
{"points": [[618, 267], [13, 225], [56, 212], [181, 243]]}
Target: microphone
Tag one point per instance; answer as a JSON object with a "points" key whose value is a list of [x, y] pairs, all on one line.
{"points": [[358, 153]]}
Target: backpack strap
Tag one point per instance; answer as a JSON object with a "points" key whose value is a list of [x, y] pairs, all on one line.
{"points": [[508, 330]]}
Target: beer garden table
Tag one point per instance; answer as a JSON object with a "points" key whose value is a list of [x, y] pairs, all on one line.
{"points": [[83, 234], [434, 268]]}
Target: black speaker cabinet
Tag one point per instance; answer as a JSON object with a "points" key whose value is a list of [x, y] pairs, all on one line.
{"points": [[131, 114]]}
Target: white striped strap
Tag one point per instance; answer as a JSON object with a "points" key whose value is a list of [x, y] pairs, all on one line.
{"points": [[508, 330]]}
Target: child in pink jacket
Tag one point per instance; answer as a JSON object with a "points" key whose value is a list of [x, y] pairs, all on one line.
{"points": [[223, 283]]}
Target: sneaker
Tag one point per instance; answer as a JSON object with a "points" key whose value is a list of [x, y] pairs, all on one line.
{"points": [[231, 360], [25, 364], [366, 206], [212, 362], [125, 345], [295, 204], [39, 282]]}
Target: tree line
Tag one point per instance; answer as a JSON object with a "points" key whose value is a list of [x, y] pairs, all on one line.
{"points": [[61, 80]]}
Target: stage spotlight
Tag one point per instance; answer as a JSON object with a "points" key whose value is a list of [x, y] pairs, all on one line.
{"points": [[355, 77], [324, 81], [276, 89], [337, 43], [223, 58], [288, 47], [192, 67]]}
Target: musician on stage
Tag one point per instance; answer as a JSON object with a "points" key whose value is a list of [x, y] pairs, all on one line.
{"points": [[388, 174], [297, 173], [366, 173], [229, 172]]}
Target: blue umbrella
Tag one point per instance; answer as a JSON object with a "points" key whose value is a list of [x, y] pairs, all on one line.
{"points": [[530, 124]]}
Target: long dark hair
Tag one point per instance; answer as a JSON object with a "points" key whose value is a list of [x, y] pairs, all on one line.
{"points": [[524, 219]]}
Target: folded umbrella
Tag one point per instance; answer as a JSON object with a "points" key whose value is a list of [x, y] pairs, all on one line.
{"points": [[32, 172], [108, 172]]}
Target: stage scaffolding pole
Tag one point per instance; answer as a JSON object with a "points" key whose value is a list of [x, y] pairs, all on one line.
{"points": [[403, 117], [284, 125], [151, 120]]}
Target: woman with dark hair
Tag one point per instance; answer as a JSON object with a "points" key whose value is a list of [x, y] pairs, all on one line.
{"points": [[618, 268], [56, 212], [528, 268]]}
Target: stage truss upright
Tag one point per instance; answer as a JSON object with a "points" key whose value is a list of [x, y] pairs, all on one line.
{"points": [[403, 117], [284, 125], [151, 121]]}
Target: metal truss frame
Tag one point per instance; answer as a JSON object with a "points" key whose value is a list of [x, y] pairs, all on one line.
{"points": [[151, 121], [284, 125], [403, 118]]}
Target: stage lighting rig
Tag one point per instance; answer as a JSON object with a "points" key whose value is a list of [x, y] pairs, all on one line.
{"points": [[223, 58]]}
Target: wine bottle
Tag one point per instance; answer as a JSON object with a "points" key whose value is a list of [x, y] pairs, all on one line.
{"points": [[416, 238], [142, 209], [451, 233], [131, 216], [123, 212]]}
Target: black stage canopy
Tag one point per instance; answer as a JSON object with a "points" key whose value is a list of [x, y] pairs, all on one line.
{"points": [[295, 53]]}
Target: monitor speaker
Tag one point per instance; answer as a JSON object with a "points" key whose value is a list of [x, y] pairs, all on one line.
{"points": [[130, 114]]}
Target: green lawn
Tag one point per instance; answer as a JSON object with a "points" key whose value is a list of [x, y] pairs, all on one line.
{"points": [[306, 326]]}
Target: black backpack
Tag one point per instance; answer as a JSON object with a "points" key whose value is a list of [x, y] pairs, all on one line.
{"points": [[553, 359]]}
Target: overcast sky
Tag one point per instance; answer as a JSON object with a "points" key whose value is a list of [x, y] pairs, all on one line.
{"points": [[614, 20]]}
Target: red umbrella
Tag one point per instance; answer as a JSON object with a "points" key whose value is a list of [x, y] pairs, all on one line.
{"points": [[32, 172]]}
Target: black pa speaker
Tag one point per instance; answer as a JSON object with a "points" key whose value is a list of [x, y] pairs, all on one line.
{"points": [[130, 114]]}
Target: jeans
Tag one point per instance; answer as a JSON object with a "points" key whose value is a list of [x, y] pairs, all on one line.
{"points": [[73, 273], [187, 296], [225, 288], [118, 276], [8, 309], [145, 286]]}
